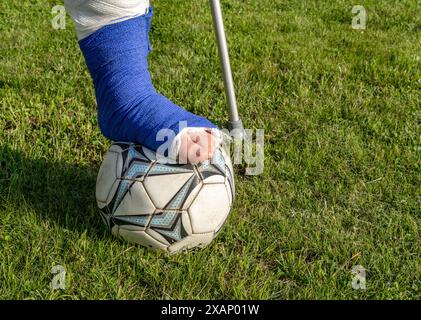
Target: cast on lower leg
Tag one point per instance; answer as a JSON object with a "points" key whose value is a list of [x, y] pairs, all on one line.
{"points": [[129, 108]]}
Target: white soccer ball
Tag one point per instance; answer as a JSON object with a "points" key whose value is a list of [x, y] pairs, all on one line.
{"points": [[171, 207]]}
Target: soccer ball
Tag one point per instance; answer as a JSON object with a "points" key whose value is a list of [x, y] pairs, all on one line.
{"points": [[172, 207]]}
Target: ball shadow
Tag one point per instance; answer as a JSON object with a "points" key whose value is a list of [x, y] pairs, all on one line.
{"points": [[60, 192]]}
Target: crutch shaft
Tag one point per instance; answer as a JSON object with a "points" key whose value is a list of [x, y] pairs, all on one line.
{"points": [[225, 60]]}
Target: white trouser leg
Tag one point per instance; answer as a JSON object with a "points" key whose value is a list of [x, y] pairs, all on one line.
{"points": [[91, 15]]}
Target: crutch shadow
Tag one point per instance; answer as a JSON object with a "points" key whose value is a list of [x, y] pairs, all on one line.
{"points": [[59, 192]]}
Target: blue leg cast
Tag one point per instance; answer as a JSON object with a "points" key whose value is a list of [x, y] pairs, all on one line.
{"points": [[129, 108]]}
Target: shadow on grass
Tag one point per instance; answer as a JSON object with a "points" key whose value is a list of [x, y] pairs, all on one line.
{"points": [[59, 192]]}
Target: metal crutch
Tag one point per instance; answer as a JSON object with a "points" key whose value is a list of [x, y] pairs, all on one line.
{"points": [[235, 123]]}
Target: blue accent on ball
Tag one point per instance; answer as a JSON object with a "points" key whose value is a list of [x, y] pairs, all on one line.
{"points": [[165, 219], [133, 153], [175, 234], [129, 108], [218, 160], [137, 220], [159, 169], [137, 170]]}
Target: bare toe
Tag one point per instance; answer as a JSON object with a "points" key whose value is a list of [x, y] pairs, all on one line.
{"points": [[197, 145]]}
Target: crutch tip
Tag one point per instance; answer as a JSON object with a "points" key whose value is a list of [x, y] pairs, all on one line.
{"points": [[237, 129]]}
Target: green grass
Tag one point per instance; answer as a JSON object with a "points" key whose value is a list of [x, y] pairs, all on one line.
{"points": [[342, 180]]}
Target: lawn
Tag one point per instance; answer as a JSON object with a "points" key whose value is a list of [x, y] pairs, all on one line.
{"points": [[342, 181]]}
